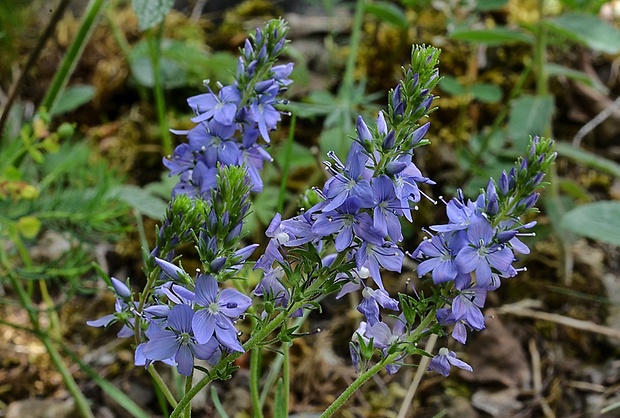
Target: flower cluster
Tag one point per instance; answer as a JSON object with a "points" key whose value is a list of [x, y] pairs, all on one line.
{"points": [[476, 248], [231, 123], [349, 231]]}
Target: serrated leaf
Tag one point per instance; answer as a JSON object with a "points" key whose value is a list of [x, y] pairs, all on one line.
{"points": [[144, 202], [597, 220], [151, 12], [486, 93], [529, 115], [388, 12], [73, 97], [28, 226], [588, 30], [491, 37]]}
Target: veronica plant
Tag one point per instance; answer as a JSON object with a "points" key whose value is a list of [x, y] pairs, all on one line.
{"points": [[346, 237]]}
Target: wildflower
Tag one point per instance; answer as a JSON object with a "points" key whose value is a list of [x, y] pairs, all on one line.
{"points": [[219, 310], [176, 341], [370, 304], [481, 254], [372, 256], [439, 255], [444, 359], [124, 310]]}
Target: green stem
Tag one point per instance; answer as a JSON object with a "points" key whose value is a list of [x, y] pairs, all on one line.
{"points": [[254, 379], [82, 405], [413, 337], [286, 375], [188, 386], [357, 383], [154, 41], [358, 20], [81, 402], [162, 385], [73, 54]]}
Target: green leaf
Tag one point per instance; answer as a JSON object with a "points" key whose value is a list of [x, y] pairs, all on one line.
{"points": [[486, 5], [451, 86], [491, 37], [141, 200], [73, 97], [588, 159], [217, 404], [280, 409], [172, 72], [28, 226], [388, 12], [560, 70], [486, 93], [529, 115], [587, 29], [151, 13], [597, 220]]}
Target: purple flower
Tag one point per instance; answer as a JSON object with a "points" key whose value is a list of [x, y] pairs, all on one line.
{"points": [[177, 341], [370, 304], [222, 107], [481, 254], [347, 221], [386, 208], [444, 359], [124, 310], [439, 257], [372, 256], [220, 308], [271, 287], [350, 182]]}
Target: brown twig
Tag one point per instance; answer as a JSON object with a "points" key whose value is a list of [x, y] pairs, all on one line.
{"points": [[32, 58], [521, 310]]}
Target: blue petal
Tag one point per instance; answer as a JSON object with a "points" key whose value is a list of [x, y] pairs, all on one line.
{"points": [[185, 361], [203, 325], [206, 290]]}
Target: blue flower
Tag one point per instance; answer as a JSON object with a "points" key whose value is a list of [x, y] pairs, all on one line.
{"points": [[351, 181], [372, 256], [220, 308], [439, 257], [371, 300], [386, 208], [123, 306], [444, 359], [176, 341], [481, 254], [348, 222], [221, 107]]}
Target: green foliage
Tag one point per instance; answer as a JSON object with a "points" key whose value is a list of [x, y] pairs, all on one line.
{"points": [[587, 29], [597, 220], [151, 12]]}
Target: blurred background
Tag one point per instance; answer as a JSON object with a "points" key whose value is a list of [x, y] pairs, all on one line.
{"points": [[88, 94]]}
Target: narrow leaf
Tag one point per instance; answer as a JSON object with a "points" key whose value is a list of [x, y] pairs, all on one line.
{"points": [[141, 200], [529, 115], [486, 93], [597, 220], [72, 98], [587, 29], [492, 37], [388, 12], [588, 159]]}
